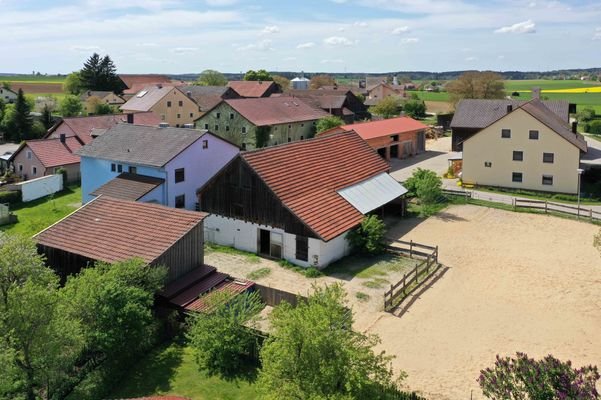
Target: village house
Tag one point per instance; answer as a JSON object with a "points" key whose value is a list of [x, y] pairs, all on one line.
{"points": [[472, 115], [377, 92], [162, 165], [251, 89], [106, 97], [208, 97], [343, 104], [7, 95], [168, 102], [399, 137], [298, 201], [86, 128], [261, 122], [133, 83], [36, 158], [529, 147]]}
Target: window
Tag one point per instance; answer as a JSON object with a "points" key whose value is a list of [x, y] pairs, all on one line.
{"points": [[227, 128], [289, 126], [207, 127], [533, 135], [168, 104], [20, 167], [231, 115], [548, 180], [180, 175], [302, 125], [549, 158], [133, 170], [243, 129], [216, 128], [516, 177], [218, 115], [180, 201], [34, 171], [302, 248], [191, 115], [113, 167], [179, 116], [205, 144], [505, 133], [180, 103], [119, 168], [518, 156], [29, 155], [394, 138], [243, 146], [302, 137], [487, 164]]}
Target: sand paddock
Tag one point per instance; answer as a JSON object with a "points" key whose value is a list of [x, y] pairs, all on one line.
{"points": [[516, 282]]}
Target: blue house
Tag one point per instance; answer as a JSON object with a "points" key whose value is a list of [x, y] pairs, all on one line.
{"points": [[152, 164]]}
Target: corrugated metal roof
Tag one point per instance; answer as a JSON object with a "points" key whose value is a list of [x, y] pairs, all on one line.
{"points": [[373, 192]]}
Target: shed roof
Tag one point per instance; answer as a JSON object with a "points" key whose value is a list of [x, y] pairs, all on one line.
{"points": [[127, 186], [142, 145], [251, 88], [52, 152], [307, 175], [385, 127], [373, 192], [265, 111], [112, 230]]}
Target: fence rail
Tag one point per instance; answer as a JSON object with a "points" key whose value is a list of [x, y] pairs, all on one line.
{"points": [[462, 193], [548, 206], [422, 270]]}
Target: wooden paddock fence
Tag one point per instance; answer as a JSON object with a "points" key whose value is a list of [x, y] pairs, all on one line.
{"points": [[547, 207], [421, 272], [272, 296], [461, 193]]}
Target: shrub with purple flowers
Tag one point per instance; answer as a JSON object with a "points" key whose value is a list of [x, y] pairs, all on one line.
{"points": [[523, 378]]}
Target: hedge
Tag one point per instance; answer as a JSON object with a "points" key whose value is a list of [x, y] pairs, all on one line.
{"points": [[594, 127], [10, 196]]}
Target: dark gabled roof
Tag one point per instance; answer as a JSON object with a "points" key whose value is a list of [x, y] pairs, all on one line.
{"points": [[128, 186], [251, 88], [306, 176], [264, 111], [208, 97], [479, 113], [112, 230], [142, 145]]}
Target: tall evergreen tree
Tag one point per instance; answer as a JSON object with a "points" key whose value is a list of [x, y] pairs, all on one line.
{"points": [[100, 73], [90, 73], [23, 121]]}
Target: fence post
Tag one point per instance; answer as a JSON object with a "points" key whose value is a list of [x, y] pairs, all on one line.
{"points": [[590, 213], [513, 203], [436, 256], [546, 202]]}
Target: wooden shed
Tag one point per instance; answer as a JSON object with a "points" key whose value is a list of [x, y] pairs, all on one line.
{"points": [[112, 230]]}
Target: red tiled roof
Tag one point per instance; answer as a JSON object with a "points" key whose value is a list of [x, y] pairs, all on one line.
{"points": [[112, 230], [83, 126], [385, 127], [135, 82], [306, 175], [53, 153], [251, 88], [128, 186], [275, 110]]}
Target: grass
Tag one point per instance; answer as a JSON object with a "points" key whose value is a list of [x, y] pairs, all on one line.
{"points": [[362, 297], [376, 283], [216, 248], [309, 272], [33, 78], [368, 267], [430, 96], [259, 273], [37, 215], [57, 96], [554, 197], [170, 369], [547, 84]]}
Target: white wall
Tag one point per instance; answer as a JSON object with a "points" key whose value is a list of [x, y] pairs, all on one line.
{"points": [[40, 187], [243, 236]]}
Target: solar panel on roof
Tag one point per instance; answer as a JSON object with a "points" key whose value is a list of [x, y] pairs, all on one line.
{"points": [[142, 93]]}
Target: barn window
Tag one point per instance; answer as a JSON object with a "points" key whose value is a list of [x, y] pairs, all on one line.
{"points": [[180, 103], [243, 129], [505, 133], [168, 104], [302, 248], [180, 175], [231, 115], [533, 135], [548, 180], [207, 127], [516, 177], [518, 156], [218, 115], [180, 201], [34, 170], [549, 158], [20, 167], [29, 155]]}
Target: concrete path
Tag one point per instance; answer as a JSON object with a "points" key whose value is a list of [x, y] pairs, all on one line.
{"points": [[436, 158]]}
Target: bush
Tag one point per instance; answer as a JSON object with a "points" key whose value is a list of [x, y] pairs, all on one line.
{"points": [[10, 196], [425, 185], [368, 238], [594, 127], [63, 172]]}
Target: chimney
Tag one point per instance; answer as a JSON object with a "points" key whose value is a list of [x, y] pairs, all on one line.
{"points": [[160, 85], [130, 118], [63, 138], [509, 108], [575, 127], [536, 93]]}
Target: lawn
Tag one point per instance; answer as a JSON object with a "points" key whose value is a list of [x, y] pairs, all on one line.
{"points": [[547, 84], [33, 78], [170, 369], [430, 96], [37, 215], [368, 267]]}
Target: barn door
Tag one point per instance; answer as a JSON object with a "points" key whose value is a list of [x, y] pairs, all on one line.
{"points": [[302, 248]]}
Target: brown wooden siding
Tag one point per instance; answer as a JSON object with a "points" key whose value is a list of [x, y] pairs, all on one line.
{"points": [[238, 192]]}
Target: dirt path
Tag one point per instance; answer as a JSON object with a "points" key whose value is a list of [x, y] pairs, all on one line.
{"points": [[516, 282]]}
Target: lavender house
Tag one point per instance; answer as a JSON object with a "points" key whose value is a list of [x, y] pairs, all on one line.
{"points": [[152, 164]]}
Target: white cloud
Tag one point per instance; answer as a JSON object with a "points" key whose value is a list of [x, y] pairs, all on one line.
{"points": [[270, 29], [290, 59], [220, 3], [184, 50], [262, 45], [501, 57], [341, 29], [339, 1], [307, 45], [400, 30], [338, 41], [521, 27], [597, 34], [532, 4], [360, 24], [410, 40], [85, 49], [471, 58]]}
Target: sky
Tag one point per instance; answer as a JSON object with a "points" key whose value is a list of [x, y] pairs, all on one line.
{"points": [[187, 36]]}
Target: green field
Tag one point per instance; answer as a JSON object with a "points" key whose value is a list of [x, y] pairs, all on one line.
{"points": [[547, 84], [33, 78], [430, 96]]}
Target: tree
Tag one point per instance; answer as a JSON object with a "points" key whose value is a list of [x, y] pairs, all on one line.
{"points": [[368, 238], [313, 353], [282, 82], [388, 107], [427, 187], [103, 109], [47, 119], [321, 80], [260, 75], [100, 74], [476, 85], [329, 122], [415, 108], [73, 83], [221, 338], [22, 121], [547, 379], [210, 77], [70, 106]]}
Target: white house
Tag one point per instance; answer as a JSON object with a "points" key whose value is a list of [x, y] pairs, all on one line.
{"points": [[7, 95]]}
